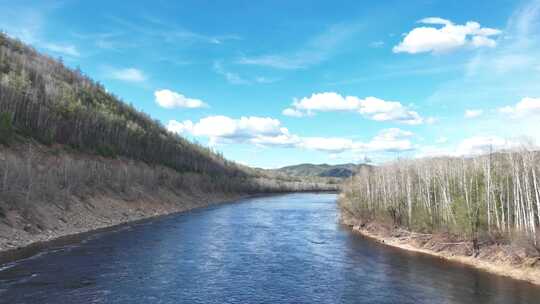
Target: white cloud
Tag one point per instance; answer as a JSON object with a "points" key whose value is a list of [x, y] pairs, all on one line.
{"points": [[435, 20], [446, 38], [526, 107], [284, 140], [388, 140], [473, 113], [169, 99], [65, 49], [472, 146], [482, 144], [292, 112], [381, 110], [482, 41], [223, 129], [328, 101], [371, 107], [265, 131], [126, 74]]}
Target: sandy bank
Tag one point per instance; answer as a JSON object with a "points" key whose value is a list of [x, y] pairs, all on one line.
{"points": [[497, 259]]}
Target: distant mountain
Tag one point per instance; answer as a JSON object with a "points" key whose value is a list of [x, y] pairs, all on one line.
{"points": [[322, 170]]}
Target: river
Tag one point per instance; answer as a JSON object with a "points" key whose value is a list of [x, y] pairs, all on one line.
{"points": [[276, 249]]}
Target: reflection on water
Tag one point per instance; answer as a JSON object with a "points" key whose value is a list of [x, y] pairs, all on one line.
{"points": [[280, 249]]}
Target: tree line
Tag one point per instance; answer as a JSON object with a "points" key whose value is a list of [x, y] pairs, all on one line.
{"points": [[495, 195]]}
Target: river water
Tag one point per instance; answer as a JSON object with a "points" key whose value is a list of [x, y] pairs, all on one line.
{"points": [[278, 249]]}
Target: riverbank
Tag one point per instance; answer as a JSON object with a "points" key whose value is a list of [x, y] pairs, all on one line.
{"points": [[501, 259], [104, 213], [263, 250], [47, 192]]}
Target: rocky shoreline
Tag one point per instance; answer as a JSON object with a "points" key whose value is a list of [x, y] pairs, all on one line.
{"points": [[504, 260]]}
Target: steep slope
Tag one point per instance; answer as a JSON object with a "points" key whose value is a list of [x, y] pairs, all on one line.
{"points": [[74, 157], [50, 103]]}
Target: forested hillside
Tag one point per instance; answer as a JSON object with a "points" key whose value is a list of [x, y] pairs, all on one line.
{"points": [[484, 198], [67, 147], [322, 170], [42, 99]]}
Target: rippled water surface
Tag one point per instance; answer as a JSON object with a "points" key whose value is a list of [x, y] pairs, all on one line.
{"points": [[279, 249]]}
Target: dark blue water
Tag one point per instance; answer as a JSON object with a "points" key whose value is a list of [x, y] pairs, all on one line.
{"points": [[281, 249]]}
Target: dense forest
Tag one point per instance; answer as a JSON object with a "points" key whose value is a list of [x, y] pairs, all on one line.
{"points": [[493, 196]]}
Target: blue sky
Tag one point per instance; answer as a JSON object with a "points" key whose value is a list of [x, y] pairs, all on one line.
{"points": [[273, 83]]}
